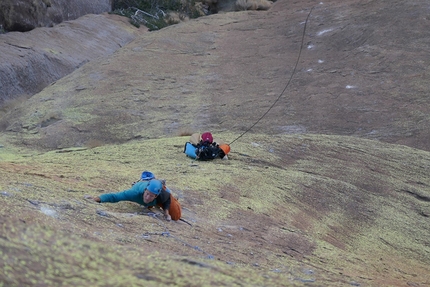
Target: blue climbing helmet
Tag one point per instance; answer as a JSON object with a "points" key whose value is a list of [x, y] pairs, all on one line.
{"points": [[155, 186]]}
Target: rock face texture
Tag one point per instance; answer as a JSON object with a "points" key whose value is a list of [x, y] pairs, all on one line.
{"points": [[25, 15], [318, 100], [361, 73], [30, 61]]}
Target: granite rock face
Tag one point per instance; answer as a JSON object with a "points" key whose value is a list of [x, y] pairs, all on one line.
{"points": [[32, 60], [25, 15]]}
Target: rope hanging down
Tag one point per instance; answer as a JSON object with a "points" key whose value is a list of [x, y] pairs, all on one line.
{"points": [[288, 83]]}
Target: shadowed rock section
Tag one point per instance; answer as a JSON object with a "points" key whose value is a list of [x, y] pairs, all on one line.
{"points": [[25, 15], [30, 61]]}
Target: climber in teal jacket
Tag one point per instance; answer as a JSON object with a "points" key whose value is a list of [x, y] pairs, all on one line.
{"points": [[147, 193]]}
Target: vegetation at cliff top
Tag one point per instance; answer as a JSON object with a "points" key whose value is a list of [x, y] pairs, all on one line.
{"points": [[154, 14]]}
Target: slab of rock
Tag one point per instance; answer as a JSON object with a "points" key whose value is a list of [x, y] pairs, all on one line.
{"points": [[362, 71], [25, 15], [32, 60]]}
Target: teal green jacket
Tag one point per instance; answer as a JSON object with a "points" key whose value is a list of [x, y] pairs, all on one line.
{"points": [[135, 194]]}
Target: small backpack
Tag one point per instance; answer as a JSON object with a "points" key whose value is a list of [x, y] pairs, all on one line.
{"points": [[145, 176]]}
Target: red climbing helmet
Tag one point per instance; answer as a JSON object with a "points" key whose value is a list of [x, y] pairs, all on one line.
{"points": [[207, 137]]}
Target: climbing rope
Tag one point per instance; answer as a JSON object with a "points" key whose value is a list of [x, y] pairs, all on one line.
{"points": [[286, 86]]}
